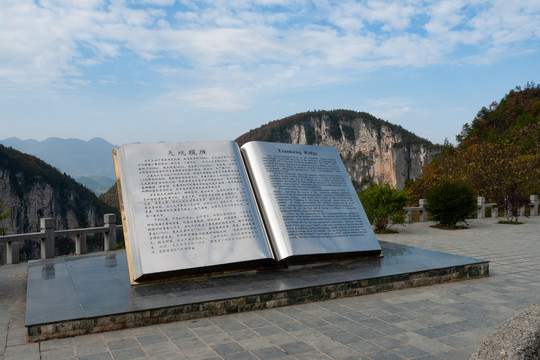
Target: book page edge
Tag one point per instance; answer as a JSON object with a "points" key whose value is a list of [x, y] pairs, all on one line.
{"points": [[123, 217]]}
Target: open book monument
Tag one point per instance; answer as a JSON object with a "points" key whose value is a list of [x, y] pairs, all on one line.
{"points": [[202, 207]]}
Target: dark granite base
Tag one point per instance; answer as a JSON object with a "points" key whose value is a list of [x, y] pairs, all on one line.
{"points": [[78, 295]]}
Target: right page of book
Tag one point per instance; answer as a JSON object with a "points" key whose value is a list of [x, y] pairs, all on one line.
{"points": [[307, 200]]}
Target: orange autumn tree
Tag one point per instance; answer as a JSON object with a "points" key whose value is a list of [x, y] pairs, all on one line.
{"points": [[497, 154]]}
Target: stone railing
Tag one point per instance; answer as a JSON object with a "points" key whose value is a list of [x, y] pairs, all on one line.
{"points": [[47, 235], [480, 213]]}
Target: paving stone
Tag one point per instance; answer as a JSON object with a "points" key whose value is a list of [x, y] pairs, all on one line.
{"points": [[158, 349], [191, 343], [96, 356], [295, 348], [122, 344], [316, 356], [387, 342], [341, 352], [268, 330], [152, 339], [270, 353], [168, 356], [255, 343], [432, 346], [365, 347], [201, 353], [66, 352], [240, 356], [409, 351], [133, 353], [345, 337], [385, 355], [229, 348], [243, 334], [443, 321]]}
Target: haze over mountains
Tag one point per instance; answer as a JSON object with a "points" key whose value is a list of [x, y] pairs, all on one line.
{"points": [[373, 150], [89, 162]]}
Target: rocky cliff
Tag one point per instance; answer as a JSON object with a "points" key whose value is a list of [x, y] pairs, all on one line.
{"points": [[373, 150], [34, 190]]}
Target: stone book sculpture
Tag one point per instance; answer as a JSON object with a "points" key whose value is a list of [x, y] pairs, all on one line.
{"points": [[203, 207]]}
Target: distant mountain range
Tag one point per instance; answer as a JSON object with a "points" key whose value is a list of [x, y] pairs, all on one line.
{"points": [[89, 162], [372, 149]]}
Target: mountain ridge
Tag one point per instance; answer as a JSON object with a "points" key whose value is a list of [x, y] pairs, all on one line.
{"points": [[373, 150], [89, 162]]}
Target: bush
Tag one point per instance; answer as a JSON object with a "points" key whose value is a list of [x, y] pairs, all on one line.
{"points": [[450, 203], [511, 206], [383, 206]]}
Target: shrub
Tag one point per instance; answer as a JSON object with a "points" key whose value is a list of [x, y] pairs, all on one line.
{"points": [[450, 203], [511, 206], [384, 206]]}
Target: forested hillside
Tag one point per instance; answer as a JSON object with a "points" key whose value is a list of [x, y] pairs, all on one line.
{"points": [[32, 189], [497, 154]]}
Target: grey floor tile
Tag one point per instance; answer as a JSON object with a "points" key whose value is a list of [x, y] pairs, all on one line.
{"points": [[341, 352], [295, 348], [96, 356], [409, 351], [385, 355], [270, 353], [122, 344], [134, 353], [152, 339], [240, 356], [66, 352], [228, 348]]}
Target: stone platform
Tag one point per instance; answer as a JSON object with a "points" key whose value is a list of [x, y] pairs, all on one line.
{"points": [[79, 295]]}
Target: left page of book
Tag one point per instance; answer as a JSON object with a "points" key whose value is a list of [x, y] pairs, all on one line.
{"points": [[188, 206]]}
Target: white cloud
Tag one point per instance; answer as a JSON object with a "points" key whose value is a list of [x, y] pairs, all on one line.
{"points": [[157, 2], [217, 99], [48, 42], [394, 113]]}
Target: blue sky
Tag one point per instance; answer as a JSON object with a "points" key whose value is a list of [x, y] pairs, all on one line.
{"points": [[183, 70]]}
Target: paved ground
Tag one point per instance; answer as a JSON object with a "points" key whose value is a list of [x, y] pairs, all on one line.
{"points": [[447, 321]]}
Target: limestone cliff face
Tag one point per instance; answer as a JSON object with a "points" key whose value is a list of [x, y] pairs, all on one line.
{"points": [[372, 150], [34, 190]]}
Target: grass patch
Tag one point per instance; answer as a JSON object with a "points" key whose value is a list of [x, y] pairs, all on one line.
{"points": [[510, 222]]}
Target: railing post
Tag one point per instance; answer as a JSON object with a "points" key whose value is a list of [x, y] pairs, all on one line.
{"points": [[12, 252], [110, 236], [423, 213], [534, 208], [80, 244], [481, 210], [495, 212], [408, 216], [47, 241]]}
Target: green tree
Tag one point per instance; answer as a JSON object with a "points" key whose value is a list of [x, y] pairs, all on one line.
{"points": [[3, 216], [384, 206], [450, 203]]}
